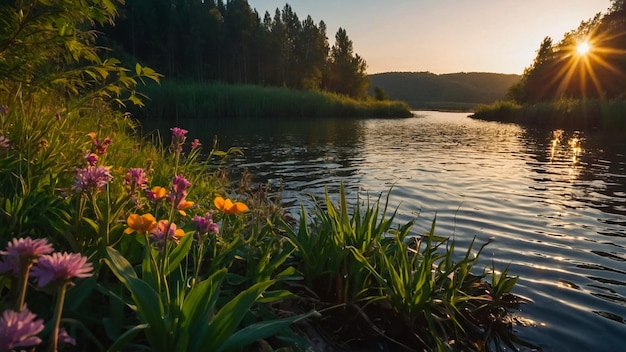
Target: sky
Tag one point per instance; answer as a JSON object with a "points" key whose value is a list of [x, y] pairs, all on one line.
{"points": [[444, 36]]}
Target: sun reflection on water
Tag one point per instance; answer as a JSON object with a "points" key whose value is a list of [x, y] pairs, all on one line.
{"points": [[566, 151]]}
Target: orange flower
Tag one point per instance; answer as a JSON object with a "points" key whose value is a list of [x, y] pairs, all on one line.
{"points": [[183, 205], [228, 207], [140, 223], [157, 193]]}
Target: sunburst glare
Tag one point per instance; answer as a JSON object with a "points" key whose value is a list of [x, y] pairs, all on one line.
{"points": [[587, 60], [583, 48]]}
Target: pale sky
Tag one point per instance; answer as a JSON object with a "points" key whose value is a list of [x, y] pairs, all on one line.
{"points": [[444, 36]]}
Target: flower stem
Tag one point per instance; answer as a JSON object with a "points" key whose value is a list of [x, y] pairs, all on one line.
{"points": [[19, 303], [58, 310]]}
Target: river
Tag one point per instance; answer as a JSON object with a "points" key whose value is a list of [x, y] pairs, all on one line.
{"points": [[553, 202]]}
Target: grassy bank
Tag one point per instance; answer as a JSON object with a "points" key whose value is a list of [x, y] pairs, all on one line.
{"points": [[216, 100], [564, 113]]}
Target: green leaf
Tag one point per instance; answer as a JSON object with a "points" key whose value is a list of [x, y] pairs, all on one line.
{"points": [[179, 252], [147, 300], [127, 337], [261, 330], [199, 306], [230, 316]]}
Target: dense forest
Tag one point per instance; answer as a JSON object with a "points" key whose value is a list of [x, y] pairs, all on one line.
{"points": [[560, 71], [424, 89], [229, 42]]}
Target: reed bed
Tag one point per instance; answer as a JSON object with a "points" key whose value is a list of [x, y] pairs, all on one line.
{"points": [[172, 100]]}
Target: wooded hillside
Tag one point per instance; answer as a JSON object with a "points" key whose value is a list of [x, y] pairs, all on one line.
{"points": [[428, 90]]}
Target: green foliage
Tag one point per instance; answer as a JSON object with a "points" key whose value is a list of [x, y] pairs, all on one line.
{"points": [[209, 101], [562, 113], [49, 46]]}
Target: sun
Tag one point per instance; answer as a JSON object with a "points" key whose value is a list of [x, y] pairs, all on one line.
{"points": [[583, 48]]}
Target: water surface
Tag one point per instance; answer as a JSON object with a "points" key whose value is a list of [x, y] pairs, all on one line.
{"points": [[553, 202]]}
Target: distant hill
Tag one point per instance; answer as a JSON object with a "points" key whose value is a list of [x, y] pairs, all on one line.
{"points": [[453, 90]]}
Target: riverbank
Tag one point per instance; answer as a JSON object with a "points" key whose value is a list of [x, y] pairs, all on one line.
{"points": [[563, 113], [172, 100]]}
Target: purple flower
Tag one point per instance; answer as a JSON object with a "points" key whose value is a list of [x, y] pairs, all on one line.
{"points": [[61, 268], [179, 187], [92, 178], [19, 329], [4, 109], [178, 138], [4, 142], [20, 253], [205, 224], [135, 180], [195, 144]]}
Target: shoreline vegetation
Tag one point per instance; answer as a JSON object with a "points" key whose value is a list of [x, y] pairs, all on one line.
{"points": [[171, 99], [564, 113]]}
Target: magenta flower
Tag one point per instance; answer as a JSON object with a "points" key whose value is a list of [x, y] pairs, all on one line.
{"points": [[179, 134], [19, 329], [204, 224], [92, 178], [22, 252], [195, 144], [101, 146], [61, 268], [91, 158], [4, 143]]}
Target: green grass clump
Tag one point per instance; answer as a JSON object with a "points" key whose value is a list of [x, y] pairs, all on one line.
{"points": [[172, 100], [562, 113]]}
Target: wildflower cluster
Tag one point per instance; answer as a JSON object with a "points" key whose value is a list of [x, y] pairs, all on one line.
{"points": [[27, 259]]}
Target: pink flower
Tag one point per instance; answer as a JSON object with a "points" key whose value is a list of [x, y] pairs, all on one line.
{"points": [[92, 178], [19, 329], [195, 144], [61, 268], [164, 231], [20, 253]]}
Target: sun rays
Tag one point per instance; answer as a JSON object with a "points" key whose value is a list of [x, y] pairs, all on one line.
{"points": [[584, 62]]}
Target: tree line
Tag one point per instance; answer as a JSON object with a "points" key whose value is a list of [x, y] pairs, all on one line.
{"points": [[207, 40], [559, 71]]}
